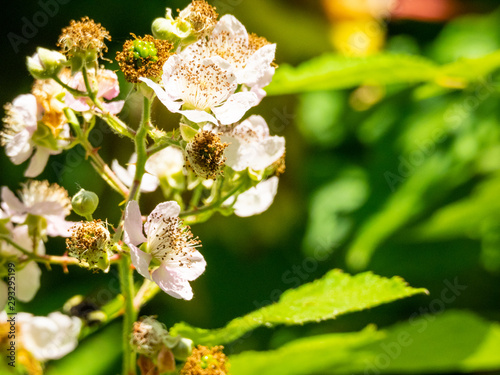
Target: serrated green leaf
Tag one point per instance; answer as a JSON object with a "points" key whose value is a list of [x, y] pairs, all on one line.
{"points": [[339, 72], [329, 72], [334, 294], [454, 341]]}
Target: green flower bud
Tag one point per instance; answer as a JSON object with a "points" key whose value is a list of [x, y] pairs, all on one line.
{"points": [[183, 349], [170, 29], [45, 63], [85, 202]]}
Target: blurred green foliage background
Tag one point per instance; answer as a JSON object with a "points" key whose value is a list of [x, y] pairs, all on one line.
{"points": [[397, 180]]}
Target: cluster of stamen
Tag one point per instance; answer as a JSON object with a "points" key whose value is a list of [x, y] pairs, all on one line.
{"points": [[89, 242], [13, 124], [204, 84], [83, 35], [148, 336], [205, 154], [170, 240], [205, 361], [34, 192], [201, 15], [143, 57]]}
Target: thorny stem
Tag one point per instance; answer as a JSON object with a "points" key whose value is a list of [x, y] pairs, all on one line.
{"points": [[50, 259], [126, 279], [114, 122], [103, 169]]}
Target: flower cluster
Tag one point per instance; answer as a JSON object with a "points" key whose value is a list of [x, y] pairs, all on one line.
{"points": [[209, 71]]}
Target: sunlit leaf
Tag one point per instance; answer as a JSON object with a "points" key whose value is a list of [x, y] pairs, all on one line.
{"points": [[335, 294], [455, 341]]}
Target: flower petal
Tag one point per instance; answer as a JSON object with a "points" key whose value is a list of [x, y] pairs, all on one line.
{"points": [[230, 24], [189, 266], [38, 162], [162, 95], [258, 70], [257, 199], [132, 225], [172, 283], [235, 107], [11, 204], [57, 226], [19, 149], [140, 260], [162, 211], [114, 107], [28, 282], [196, 115], [123, 174]]}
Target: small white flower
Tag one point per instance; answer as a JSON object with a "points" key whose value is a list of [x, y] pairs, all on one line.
{"points": [[149, 182], [251, 146], [50, 337], [194, 87], [168, 164], [167, 241], [251, 57], [257, 199], [40, 198]]}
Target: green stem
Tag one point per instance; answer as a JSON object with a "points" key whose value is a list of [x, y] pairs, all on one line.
{"points": [[130, 314], [216, 204], [103, 169], [70, 89], [126, 272]]}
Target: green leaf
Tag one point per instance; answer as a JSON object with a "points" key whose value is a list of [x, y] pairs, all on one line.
{"points": [[335, 294], [331, 71], [454, 341], [339, 72]]}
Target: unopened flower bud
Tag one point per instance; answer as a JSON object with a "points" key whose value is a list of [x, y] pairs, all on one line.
{"points": [[183, 349], [85, 202], [169, 29], [148, 336], [45, 63]]}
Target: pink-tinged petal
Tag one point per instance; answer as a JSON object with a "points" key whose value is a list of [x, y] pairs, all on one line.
{"points": [[79, 105], [28, 282], [107, 84], [58, 227], [235, 107], [162, 211], [3, 295], [11, 204], [140, 260], [26, 106], [162, 96], [19, 149], [114, 107], [257, 65], [123, 174], [132, 224], [172, 283], [228, 23], [189, 266], [198, 116], [38, 162]]}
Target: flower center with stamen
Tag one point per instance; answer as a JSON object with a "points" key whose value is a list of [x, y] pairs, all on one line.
{"points": [[34, 192], [203, 84], [205, 154], [169, 240], [13, 124]]}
